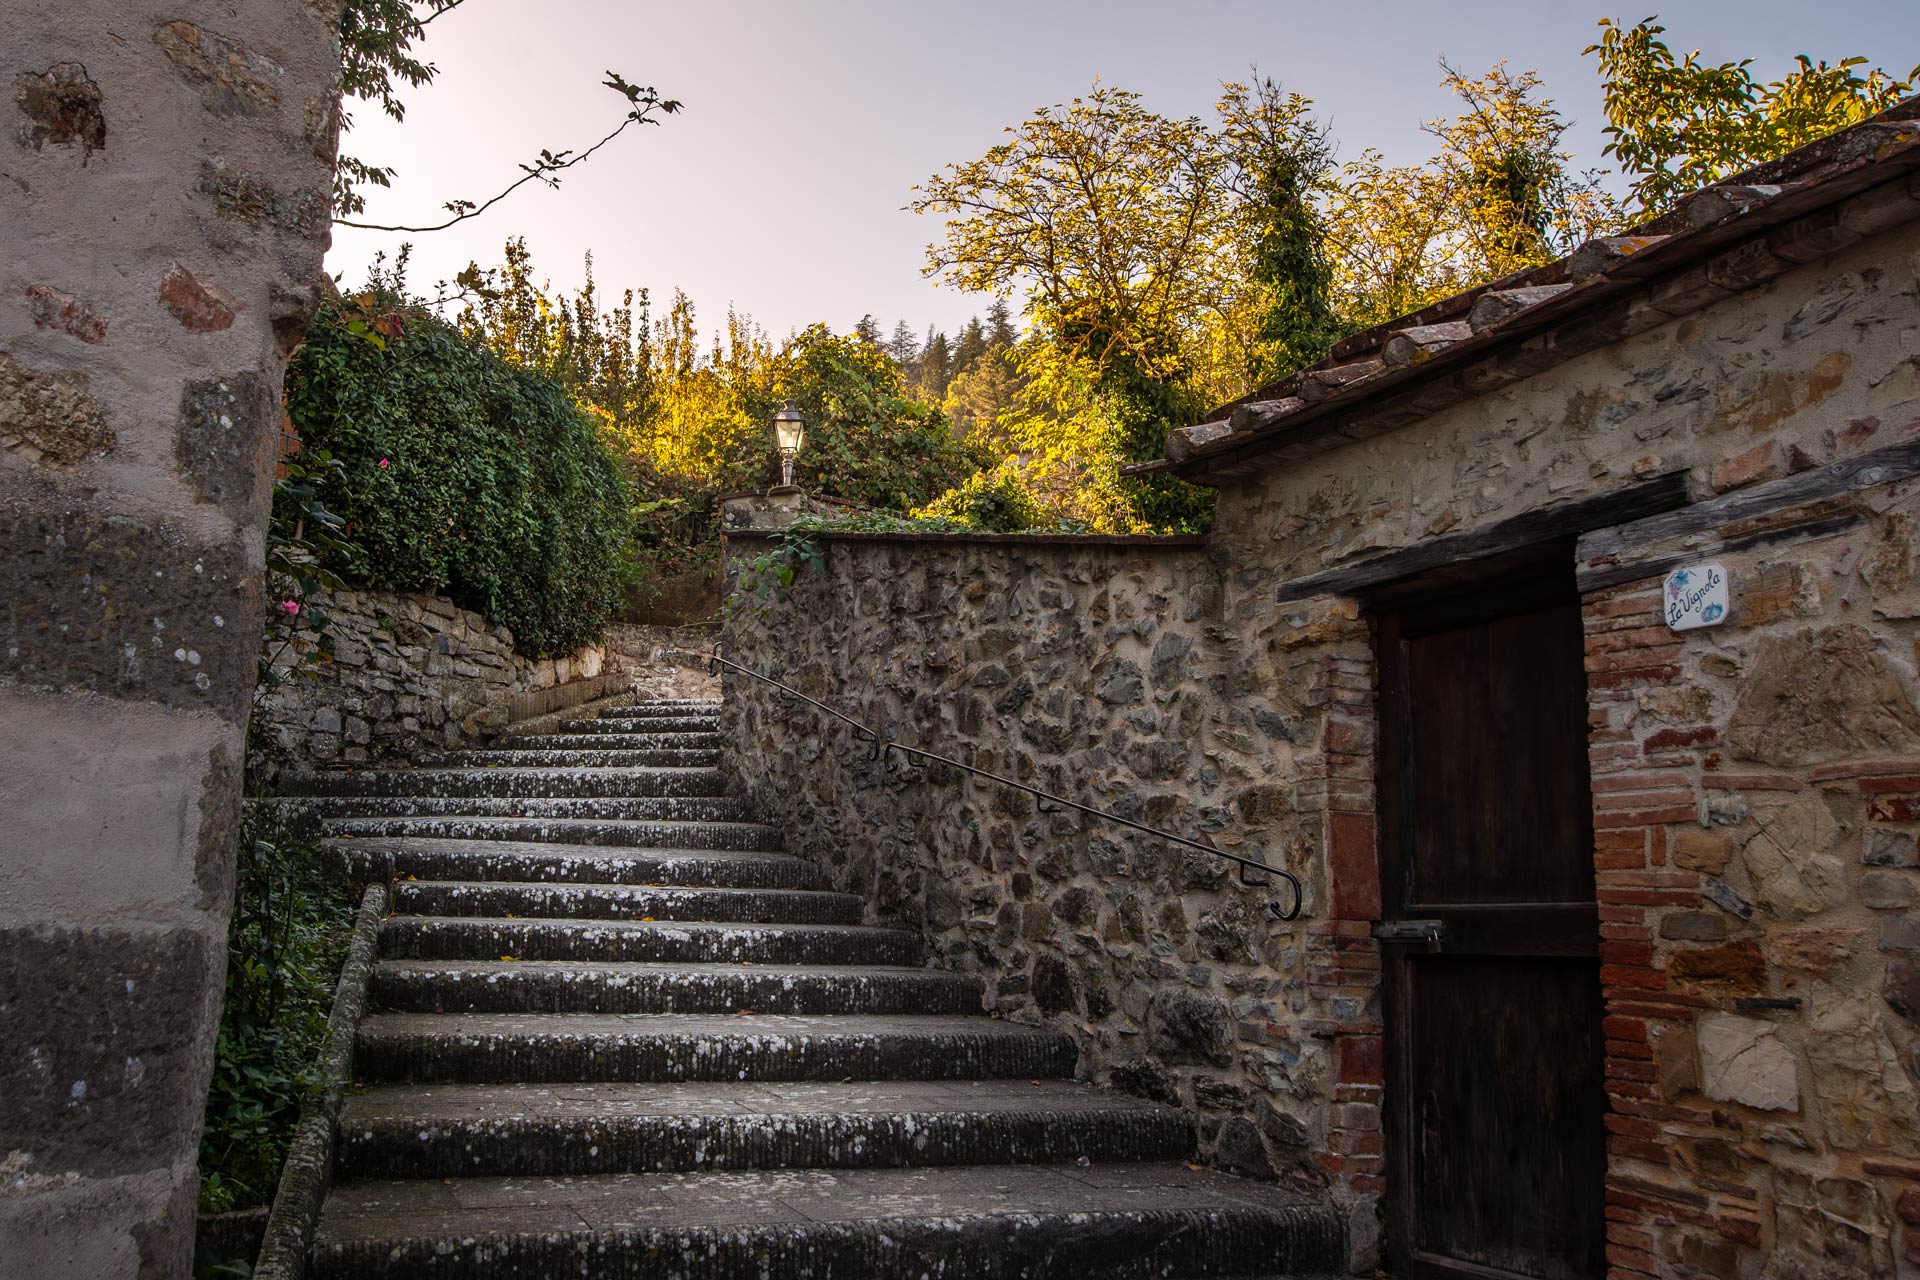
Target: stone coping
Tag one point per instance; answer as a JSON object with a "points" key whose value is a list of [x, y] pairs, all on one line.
{"points": [[309, 1167], [1148, 541]]}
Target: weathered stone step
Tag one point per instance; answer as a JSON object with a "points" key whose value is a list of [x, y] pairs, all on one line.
{"points": [[609, 808], [447, 1131], [652, 743], [644, 724], [623, 902], [505, 782], [636, 834], [599, 741], [1002, 1222], [557, 755], [549, 863], [483, 938], [572, 986], [641, 710], [532, 1047]]}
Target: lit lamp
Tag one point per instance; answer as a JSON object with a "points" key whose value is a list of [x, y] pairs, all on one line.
{"points": [[789, 433]]}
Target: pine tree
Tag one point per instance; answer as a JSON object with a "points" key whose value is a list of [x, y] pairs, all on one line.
{"points": [[1000, 325], [935, 368], [904, 347], [868, 330], [971, 346]]}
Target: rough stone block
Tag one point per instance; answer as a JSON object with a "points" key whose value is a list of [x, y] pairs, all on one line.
{"points": [[107, 1034], [1744, 1060], [51, 417]]}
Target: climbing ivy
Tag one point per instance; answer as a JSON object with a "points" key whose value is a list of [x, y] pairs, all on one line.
{"points": [[460, 474]]}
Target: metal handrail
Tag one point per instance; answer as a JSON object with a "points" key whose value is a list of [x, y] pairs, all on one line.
{"points": [[882, 744]]}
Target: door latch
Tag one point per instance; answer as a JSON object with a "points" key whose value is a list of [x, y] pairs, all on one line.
{"points": [[1427, 931]]}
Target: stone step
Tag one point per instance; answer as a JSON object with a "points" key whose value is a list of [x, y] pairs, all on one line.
{"points": [[598, 986], [610, 808], [641, 710], [548, 863], [486, 938], [636, 834], [1001, 1222], [557, 754], [544, 1130], [644, 724], [623, 902], [527, 1048], [601, 741], [505, 782], [651, 743]]}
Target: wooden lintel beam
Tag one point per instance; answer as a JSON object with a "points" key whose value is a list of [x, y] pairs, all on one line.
{"points": [[1561, 521]]}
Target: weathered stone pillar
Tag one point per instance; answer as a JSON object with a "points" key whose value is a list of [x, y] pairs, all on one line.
{"points": [[164, 176]]}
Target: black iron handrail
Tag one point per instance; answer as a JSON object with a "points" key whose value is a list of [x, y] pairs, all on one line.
{"points": [[882, 744]]}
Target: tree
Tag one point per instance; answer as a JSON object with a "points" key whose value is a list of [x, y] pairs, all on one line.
{"points": [[1000, 331], [981, 394], [1101, 214], [376, 43], [868, 330], [934, 370], [904, 347], [602, 357], [1497, 196], [970, 346], [1680, 123], [1281, 161]]}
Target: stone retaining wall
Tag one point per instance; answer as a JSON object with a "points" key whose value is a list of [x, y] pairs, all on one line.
{"points": [[413, 673], [1100, 670]]}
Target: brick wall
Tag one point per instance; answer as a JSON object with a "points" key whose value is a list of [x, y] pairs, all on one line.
{"points": [[1755, 792]]}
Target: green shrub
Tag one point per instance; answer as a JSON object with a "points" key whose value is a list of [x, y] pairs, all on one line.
{"points": [[462, 475], [292, 914]]}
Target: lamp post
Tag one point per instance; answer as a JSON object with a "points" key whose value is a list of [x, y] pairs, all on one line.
{"points": [[789, 433]]}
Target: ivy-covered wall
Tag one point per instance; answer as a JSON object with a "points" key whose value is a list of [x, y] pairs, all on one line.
{"points": [[461, 475]]}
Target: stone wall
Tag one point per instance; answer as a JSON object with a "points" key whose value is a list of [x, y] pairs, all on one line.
{"points": [[1757, 785], [413, 673], [1100, 670], [164, 210]]}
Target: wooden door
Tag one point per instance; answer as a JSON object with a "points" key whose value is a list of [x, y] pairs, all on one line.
{"points": [[1495, 1142]]}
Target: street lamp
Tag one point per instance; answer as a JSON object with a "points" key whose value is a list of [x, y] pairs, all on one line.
{"points": [[789, 433]]}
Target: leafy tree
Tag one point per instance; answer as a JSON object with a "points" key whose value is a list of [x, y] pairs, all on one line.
{"points": [[867, 441], [1680, 123], [1281, 160], [602, 357], [1498, 196], [1101, 214]]}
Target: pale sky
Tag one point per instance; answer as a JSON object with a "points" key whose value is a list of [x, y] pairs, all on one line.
{"points": [[779, 187]]}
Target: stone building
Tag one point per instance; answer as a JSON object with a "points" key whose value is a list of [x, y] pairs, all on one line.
{"points": [[1562, 639]]}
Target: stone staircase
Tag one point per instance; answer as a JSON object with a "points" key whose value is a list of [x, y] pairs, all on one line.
{"points": [[615, 1031]]}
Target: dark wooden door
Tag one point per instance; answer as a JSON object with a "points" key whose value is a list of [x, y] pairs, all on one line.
{"points": [[1496, 1145]]}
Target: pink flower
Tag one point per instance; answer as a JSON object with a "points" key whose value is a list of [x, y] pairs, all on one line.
{"points": [[291, 606], [383, 462]]}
